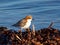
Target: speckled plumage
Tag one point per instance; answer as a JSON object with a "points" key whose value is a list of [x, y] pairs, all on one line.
{"points": [[24, 23]]}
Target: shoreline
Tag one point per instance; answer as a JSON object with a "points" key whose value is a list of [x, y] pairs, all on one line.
{"points": [[45, 36]]}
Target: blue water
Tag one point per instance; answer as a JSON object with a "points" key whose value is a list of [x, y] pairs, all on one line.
{"points": [[43, 12]]}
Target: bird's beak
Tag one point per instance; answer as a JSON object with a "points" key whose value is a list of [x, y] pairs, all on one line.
{"points": [[32, 19]]}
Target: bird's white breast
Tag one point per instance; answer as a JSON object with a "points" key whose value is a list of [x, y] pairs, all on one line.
{"points": [[28, 23]]}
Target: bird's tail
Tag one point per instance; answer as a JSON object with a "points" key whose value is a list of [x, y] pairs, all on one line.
{"points": [[15, 25]]}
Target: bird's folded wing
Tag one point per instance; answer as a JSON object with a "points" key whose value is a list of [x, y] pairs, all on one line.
{"points": [[21, 23]]}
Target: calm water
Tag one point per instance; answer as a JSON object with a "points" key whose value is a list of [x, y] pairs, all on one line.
{"points": [[43, 11]]}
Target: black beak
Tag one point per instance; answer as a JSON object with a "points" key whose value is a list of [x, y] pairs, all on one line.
{"points": [[32, 19]]}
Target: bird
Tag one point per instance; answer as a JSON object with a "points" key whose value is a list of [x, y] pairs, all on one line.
{"points": [[24, 23]]}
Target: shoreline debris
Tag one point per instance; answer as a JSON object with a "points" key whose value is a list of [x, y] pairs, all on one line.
{"points": [[45, 36]]}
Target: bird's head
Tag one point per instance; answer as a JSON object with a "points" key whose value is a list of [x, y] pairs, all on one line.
{"points": [[29, 17]]}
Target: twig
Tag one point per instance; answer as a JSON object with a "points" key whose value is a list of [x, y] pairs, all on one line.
{"points": [[18, 37], [50, 25], [33, 27], [33, 31]]}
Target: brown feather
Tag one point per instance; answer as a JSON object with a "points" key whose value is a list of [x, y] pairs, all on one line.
{"points": [[20, 23]]}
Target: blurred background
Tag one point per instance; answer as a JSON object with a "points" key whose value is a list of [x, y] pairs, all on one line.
{"points": [[43, 11]]}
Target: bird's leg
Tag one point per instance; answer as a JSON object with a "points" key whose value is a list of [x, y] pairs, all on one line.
{"points": [[28, 29]]}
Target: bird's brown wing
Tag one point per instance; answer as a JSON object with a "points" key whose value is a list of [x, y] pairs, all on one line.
{"points": [[20, 23]]}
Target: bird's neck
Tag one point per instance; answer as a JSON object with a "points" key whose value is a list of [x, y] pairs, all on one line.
{"points": [[29, 20]]}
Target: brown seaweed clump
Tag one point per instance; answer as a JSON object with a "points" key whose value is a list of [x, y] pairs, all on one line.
{"points": [[45, 36]]}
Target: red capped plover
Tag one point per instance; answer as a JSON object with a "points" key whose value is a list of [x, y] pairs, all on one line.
{"points": [[24, 23]]}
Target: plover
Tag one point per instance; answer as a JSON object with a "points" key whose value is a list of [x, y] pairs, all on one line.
{"points": [[24, 23]]}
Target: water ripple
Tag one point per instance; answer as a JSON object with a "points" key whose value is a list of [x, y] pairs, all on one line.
{"points": [[43, 11]]}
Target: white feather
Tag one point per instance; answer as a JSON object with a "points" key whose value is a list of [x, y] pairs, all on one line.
{"points": [[28, 23]]}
